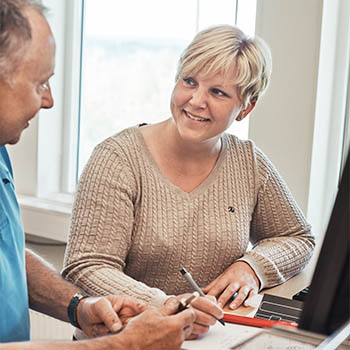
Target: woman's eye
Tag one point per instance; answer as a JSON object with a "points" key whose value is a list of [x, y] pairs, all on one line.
{"points": [[219, 92], [189, 81]]}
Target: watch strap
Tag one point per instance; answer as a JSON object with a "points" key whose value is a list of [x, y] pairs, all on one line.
{"points": [[72, 308]]}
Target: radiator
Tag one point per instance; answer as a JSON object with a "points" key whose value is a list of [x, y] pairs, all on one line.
{"points": [[47, 328]]}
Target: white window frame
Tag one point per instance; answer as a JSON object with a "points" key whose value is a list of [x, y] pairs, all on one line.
{"points": [[40, 159]]}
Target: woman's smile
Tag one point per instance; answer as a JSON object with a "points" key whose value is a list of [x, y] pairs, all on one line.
{"points": [[195, 118]]}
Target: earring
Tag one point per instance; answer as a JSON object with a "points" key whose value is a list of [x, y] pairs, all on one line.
{"points": [[239, 118]]}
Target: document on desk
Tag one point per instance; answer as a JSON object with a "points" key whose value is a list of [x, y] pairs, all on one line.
{"points": [[267, 341], [238, 337], [221, 338]]}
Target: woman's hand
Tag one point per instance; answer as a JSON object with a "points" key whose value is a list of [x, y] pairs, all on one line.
{"points": [[207, 312], [240, 278]]}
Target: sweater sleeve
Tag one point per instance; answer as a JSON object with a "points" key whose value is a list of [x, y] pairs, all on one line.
{"points": [[281, 237], [101, 228]]}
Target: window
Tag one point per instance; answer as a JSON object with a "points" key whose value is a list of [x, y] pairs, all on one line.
{"points": [[130, 52]]}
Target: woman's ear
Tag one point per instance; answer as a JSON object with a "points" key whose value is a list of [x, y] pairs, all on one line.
{"points": [[243, 113]]}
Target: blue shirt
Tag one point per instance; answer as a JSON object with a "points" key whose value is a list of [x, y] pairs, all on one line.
{"points": [[14, 312]]}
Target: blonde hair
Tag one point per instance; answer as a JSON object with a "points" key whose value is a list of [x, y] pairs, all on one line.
{"points": [[225, 48]]}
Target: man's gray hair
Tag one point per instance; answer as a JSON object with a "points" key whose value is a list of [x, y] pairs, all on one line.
{"points": [[15, 33]]}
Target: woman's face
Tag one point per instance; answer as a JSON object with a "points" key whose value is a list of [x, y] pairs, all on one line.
{"points": [[204, 107]]}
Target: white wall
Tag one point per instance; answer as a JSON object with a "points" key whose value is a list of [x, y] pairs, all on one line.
{"points": [[284, 121]]}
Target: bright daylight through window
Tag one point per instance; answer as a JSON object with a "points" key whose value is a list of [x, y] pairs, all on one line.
{"points": [[130, 52]]}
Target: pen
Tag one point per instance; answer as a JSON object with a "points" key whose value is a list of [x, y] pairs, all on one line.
{"points": [[193, 283], [186, 301], [256, 322]]}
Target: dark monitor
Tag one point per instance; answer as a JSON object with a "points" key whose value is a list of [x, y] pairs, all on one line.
{"points": [[326, 306]]}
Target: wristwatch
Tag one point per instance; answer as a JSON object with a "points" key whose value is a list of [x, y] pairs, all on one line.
{"points": [[72, 308]]}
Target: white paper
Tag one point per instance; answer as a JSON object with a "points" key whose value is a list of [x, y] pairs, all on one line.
{"points": [[221, 337], [266, 341]]}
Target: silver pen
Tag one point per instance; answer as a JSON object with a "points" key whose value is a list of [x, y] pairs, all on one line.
{"points": [[193, 283]]}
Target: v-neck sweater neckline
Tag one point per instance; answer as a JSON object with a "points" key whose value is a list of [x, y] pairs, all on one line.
{"points": [[202, 187]]}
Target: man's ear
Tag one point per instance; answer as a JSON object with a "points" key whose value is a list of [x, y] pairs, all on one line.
{"points": [[245, 111]]}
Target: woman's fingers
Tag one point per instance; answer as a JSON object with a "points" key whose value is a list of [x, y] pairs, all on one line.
{"points": [[228, 293], [252, 293], [234, 285], [207, 313], [240, 298], [208, 306]]}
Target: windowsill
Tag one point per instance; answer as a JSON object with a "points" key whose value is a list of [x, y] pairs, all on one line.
{"points": [[47, 217]]}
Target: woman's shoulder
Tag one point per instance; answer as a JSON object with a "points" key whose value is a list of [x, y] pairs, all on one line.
{"points": [[234, 144], [122, 141], [124, 147], [124, 136], [234, 141], [246, 149], [120, 151]]}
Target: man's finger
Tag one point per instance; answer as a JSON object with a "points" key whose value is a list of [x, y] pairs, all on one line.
{"points": [[170, 307], [188, 330], [98, 330], [186, 317], [107, 315]]}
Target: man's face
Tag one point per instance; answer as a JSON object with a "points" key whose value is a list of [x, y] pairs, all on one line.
{"points": [[28, 89]]}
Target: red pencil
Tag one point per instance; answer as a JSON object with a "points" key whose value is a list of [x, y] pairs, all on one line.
{"points": [[256, 322]]}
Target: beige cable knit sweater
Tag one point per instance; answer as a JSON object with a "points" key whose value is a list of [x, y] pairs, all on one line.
{"points": [[132, 229]]}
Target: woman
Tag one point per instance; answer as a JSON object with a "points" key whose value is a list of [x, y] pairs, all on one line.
{"points": [[182, 192]]}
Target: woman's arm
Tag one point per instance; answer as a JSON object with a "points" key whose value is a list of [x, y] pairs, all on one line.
{"points": [[101, 230], [281, 238]]}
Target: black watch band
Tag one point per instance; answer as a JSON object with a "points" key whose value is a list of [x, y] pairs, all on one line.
{"points": [[72, 308]]}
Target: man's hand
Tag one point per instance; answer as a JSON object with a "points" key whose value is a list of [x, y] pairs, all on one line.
{"points": [[240, 278], [102, 315], [158, 328]]}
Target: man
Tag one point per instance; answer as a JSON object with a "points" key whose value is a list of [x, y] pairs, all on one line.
{"points": [[27, 51]]}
